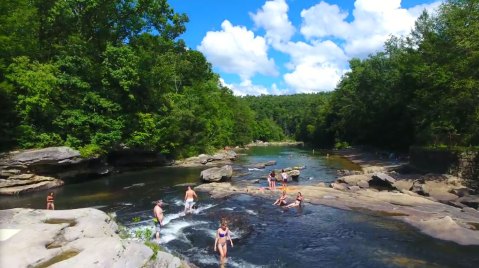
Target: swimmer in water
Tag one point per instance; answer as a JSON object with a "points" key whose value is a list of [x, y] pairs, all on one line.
{"points": [[222, 237]]}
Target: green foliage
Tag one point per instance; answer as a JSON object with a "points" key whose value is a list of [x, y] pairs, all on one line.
{"points": [[100, 74], [155, 247], [341, 145], [143, 233], [91, 150]]}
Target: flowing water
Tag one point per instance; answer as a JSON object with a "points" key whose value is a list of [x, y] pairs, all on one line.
{"points": [[263, 235]]}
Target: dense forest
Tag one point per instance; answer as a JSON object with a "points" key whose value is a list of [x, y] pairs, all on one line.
{"points": [[103, 74], [423, 89]]}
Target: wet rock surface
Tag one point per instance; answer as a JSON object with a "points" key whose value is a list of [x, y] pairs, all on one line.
{"points": [[414, 209]]}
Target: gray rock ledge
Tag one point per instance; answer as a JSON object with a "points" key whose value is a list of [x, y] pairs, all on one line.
{"points": [[84, 237]]}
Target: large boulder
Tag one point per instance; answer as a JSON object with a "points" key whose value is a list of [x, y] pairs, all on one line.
{"points": [[71, 238], [294, 174], [263, 164], [24, 183], [382, 181], [355, 180], [470, 201], [38, 159], [216, 174], [222, 157]]}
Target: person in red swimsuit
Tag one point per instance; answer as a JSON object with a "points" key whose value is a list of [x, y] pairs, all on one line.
{"points": [[50, 199]]}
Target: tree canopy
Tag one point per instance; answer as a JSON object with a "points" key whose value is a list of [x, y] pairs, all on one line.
{"points": [[102, 74]]}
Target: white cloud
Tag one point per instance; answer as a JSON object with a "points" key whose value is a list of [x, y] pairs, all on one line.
{"points": [[431, 8], [331, 37], [273, 17], [310, 77], [237, 50], [314, 67], [374, 22], [318, 21], [246, 87]]}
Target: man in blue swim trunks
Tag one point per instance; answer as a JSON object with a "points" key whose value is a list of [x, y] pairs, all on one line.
{"points": [[158, 218]]}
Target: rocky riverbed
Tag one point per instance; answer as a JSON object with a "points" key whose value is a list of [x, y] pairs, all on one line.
{"points": [[71, 238], [438, 205], [433, 218]]}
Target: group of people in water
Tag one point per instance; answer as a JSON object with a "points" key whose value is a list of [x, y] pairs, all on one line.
{"points": [[223, 233]]}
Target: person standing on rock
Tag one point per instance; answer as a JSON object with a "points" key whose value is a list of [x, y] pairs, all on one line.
{"points": [[158, 218], [284, 176], [189, 199], [50, 201], [222, 237], [272, 178]]}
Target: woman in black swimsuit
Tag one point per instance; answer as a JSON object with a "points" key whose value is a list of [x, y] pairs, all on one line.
{"points": [[297, 202], [222, 236], [272, 178]]}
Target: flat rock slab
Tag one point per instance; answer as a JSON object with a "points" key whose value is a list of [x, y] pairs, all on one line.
{"points": [[70, 238], [5, 234], [416, 210]]}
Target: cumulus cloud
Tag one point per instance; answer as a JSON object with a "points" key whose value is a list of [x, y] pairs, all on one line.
{"points": [[246, 87], [374, 21], [308, 78], [273, 17], [237, 50], [317, 66], [331, 37]]}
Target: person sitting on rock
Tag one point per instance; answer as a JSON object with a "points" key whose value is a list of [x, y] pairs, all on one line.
{"points": [[50, 200], [297, 202], [281, 201]]}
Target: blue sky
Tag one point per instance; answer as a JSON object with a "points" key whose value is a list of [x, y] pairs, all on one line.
{"points": [[292, 46]]}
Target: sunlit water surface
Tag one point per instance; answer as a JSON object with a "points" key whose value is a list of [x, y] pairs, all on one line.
{"points": [[263, 235]]}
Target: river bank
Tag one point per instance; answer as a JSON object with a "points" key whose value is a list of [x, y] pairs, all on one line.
{"points": [[84, 237]]}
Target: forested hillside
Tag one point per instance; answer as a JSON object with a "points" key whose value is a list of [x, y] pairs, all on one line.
{"points": [[100, 74], [422, 90], [103, 74]]}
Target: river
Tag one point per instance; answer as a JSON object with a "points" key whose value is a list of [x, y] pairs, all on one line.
{"points": [[264, 235]]}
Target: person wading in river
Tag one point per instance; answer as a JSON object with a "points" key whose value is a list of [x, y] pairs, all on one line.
{"points": [[222, 237], [158, 218], [189, 199]]}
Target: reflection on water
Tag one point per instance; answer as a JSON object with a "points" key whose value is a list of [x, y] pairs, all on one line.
{"points": [[264, 235]]}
